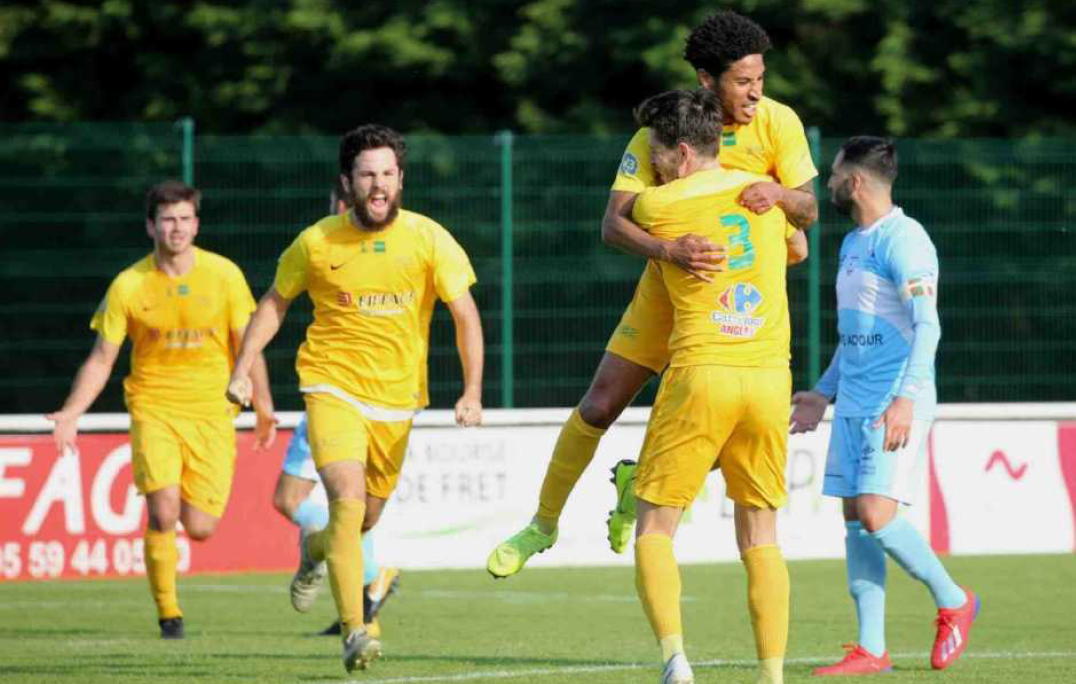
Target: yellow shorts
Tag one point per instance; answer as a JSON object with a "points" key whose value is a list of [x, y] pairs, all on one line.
{"points": [[198, 454], [642, 336], [710, 416], [338, 431]]}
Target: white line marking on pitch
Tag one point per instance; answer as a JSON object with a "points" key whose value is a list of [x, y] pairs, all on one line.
{"points": [[512, 674]]}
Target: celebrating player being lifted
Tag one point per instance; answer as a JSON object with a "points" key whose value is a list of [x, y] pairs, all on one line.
{"points": [[374, 275], [759, 136], [724, 400], [185, 310]]}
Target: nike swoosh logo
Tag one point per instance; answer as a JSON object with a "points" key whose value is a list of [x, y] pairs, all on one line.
{"points": [[333, 267]]}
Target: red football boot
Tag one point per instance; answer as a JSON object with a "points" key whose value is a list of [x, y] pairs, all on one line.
{"points": [[857, 661], [953, 627]]}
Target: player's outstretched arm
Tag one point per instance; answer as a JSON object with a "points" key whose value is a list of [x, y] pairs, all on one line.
{"points": [[89, 381], [263, 326], [696, 255], [471, 348]]}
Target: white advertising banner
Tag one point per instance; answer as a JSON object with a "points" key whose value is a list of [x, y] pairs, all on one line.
{"points": [[1002, 487], [462, 492], [1000, 479]]}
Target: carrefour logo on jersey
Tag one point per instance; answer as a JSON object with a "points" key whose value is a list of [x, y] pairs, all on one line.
{"points": [[738, 301]]}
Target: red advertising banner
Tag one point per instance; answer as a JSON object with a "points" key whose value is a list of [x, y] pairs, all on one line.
{"points": [[81, 516]]}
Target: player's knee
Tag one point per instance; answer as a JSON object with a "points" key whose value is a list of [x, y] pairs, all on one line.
{"points": [[284, 504], [200, 530], [873, 519], [600, 409], [163, 521], [163, 515], [861, 587]]}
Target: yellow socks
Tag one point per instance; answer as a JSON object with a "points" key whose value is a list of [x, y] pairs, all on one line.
{"points": [[574, 451], [767, 599], [657, 579], [162, 557], [341, 545]]}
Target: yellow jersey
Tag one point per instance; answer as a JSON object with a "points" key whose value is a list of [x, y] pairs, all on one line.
{"points": [[741, 318], [373, 295], [773, 144], [181, 333]]}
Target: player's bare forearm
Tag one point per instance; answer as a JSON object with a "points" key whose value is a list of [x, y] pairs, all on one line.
{"points": [[799, 205], [259, 376], [263, 326], [471, 349], [469, 343], [619, 231]]}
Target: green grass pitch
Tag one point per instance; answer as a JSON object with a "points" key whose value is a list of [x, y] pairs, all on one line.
{"points": [[545, 625]]}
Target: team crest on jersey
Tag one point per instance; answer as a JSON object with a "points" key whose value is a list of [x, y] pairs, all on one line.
{"points": [[737, 302], [629, 165]]}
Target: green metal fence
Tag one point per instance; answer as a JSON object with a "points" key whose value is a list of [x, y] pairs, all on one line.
{"points": [[527, 209]]}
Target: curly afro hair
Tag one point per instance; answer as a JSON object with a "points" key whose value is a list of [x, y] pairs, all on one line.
{"points": [[722, 39]]}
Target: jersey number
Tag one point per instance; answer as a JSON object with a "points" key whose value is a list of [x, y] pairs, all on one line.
{"points": [[739, 236]]}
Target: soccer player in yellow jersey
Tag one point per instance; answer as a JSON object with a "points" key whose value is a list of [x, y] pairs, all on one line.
{"points": [[725, 398], [374, 275], [185, 310], [759, 136]]}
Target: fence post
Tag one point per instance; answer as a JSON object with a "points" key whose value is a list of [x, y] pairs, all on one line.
{"points": [[186, 124], [814, 272], [505, 140]]}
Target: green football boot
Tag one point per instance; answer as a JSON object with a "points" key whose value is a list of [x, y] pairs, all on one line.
{"points": [[621, 521], [510, 556]]}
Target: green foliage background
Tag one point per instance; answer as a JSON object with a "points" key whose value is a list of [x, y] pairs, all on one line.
{"points": [[950, 68]]}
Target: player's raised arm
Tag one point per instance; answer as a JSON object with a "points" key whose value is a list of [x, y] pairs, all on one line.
{"points": [[471, 349], [90, 380], [263, 326]]}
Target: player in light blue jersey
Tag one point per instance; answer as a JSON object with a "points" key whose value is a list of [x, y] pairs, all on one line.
{"points": [[300, 497], [882, 377]]}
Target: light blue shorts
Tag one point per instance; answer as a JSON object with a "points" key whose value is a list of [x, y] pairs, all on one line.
{"points": [[299, 460], [856, 463]]}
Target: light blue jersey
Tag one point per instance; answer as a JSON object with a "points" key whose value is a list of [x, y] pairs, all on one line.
{"points": [[887, 320]]}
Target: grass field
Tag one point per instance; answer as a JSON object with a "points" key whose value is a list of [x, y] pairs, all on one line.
{"points": [[563, 625]]}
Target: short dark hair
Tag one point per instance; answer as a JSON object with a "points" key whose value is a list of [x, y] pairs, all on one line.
{"points": [[722, 39], [876, 155], [170, 192], [691, 116], [338, 194], [369, 137]]}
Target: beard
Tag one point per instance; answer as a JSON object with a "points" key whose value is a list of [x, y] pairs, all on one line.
{"points": [[368, 222], [841, 198]]}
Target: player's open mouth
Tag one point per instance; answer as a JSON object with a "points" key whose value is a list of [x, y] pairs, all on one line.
{"points": [[379, 202], [750, 109]]}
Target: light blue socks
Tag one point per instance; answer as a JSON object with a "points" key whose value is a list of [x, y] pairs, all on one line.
{"points": [[866, 582], [908, 548], [370, 568], [311, 516]]}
